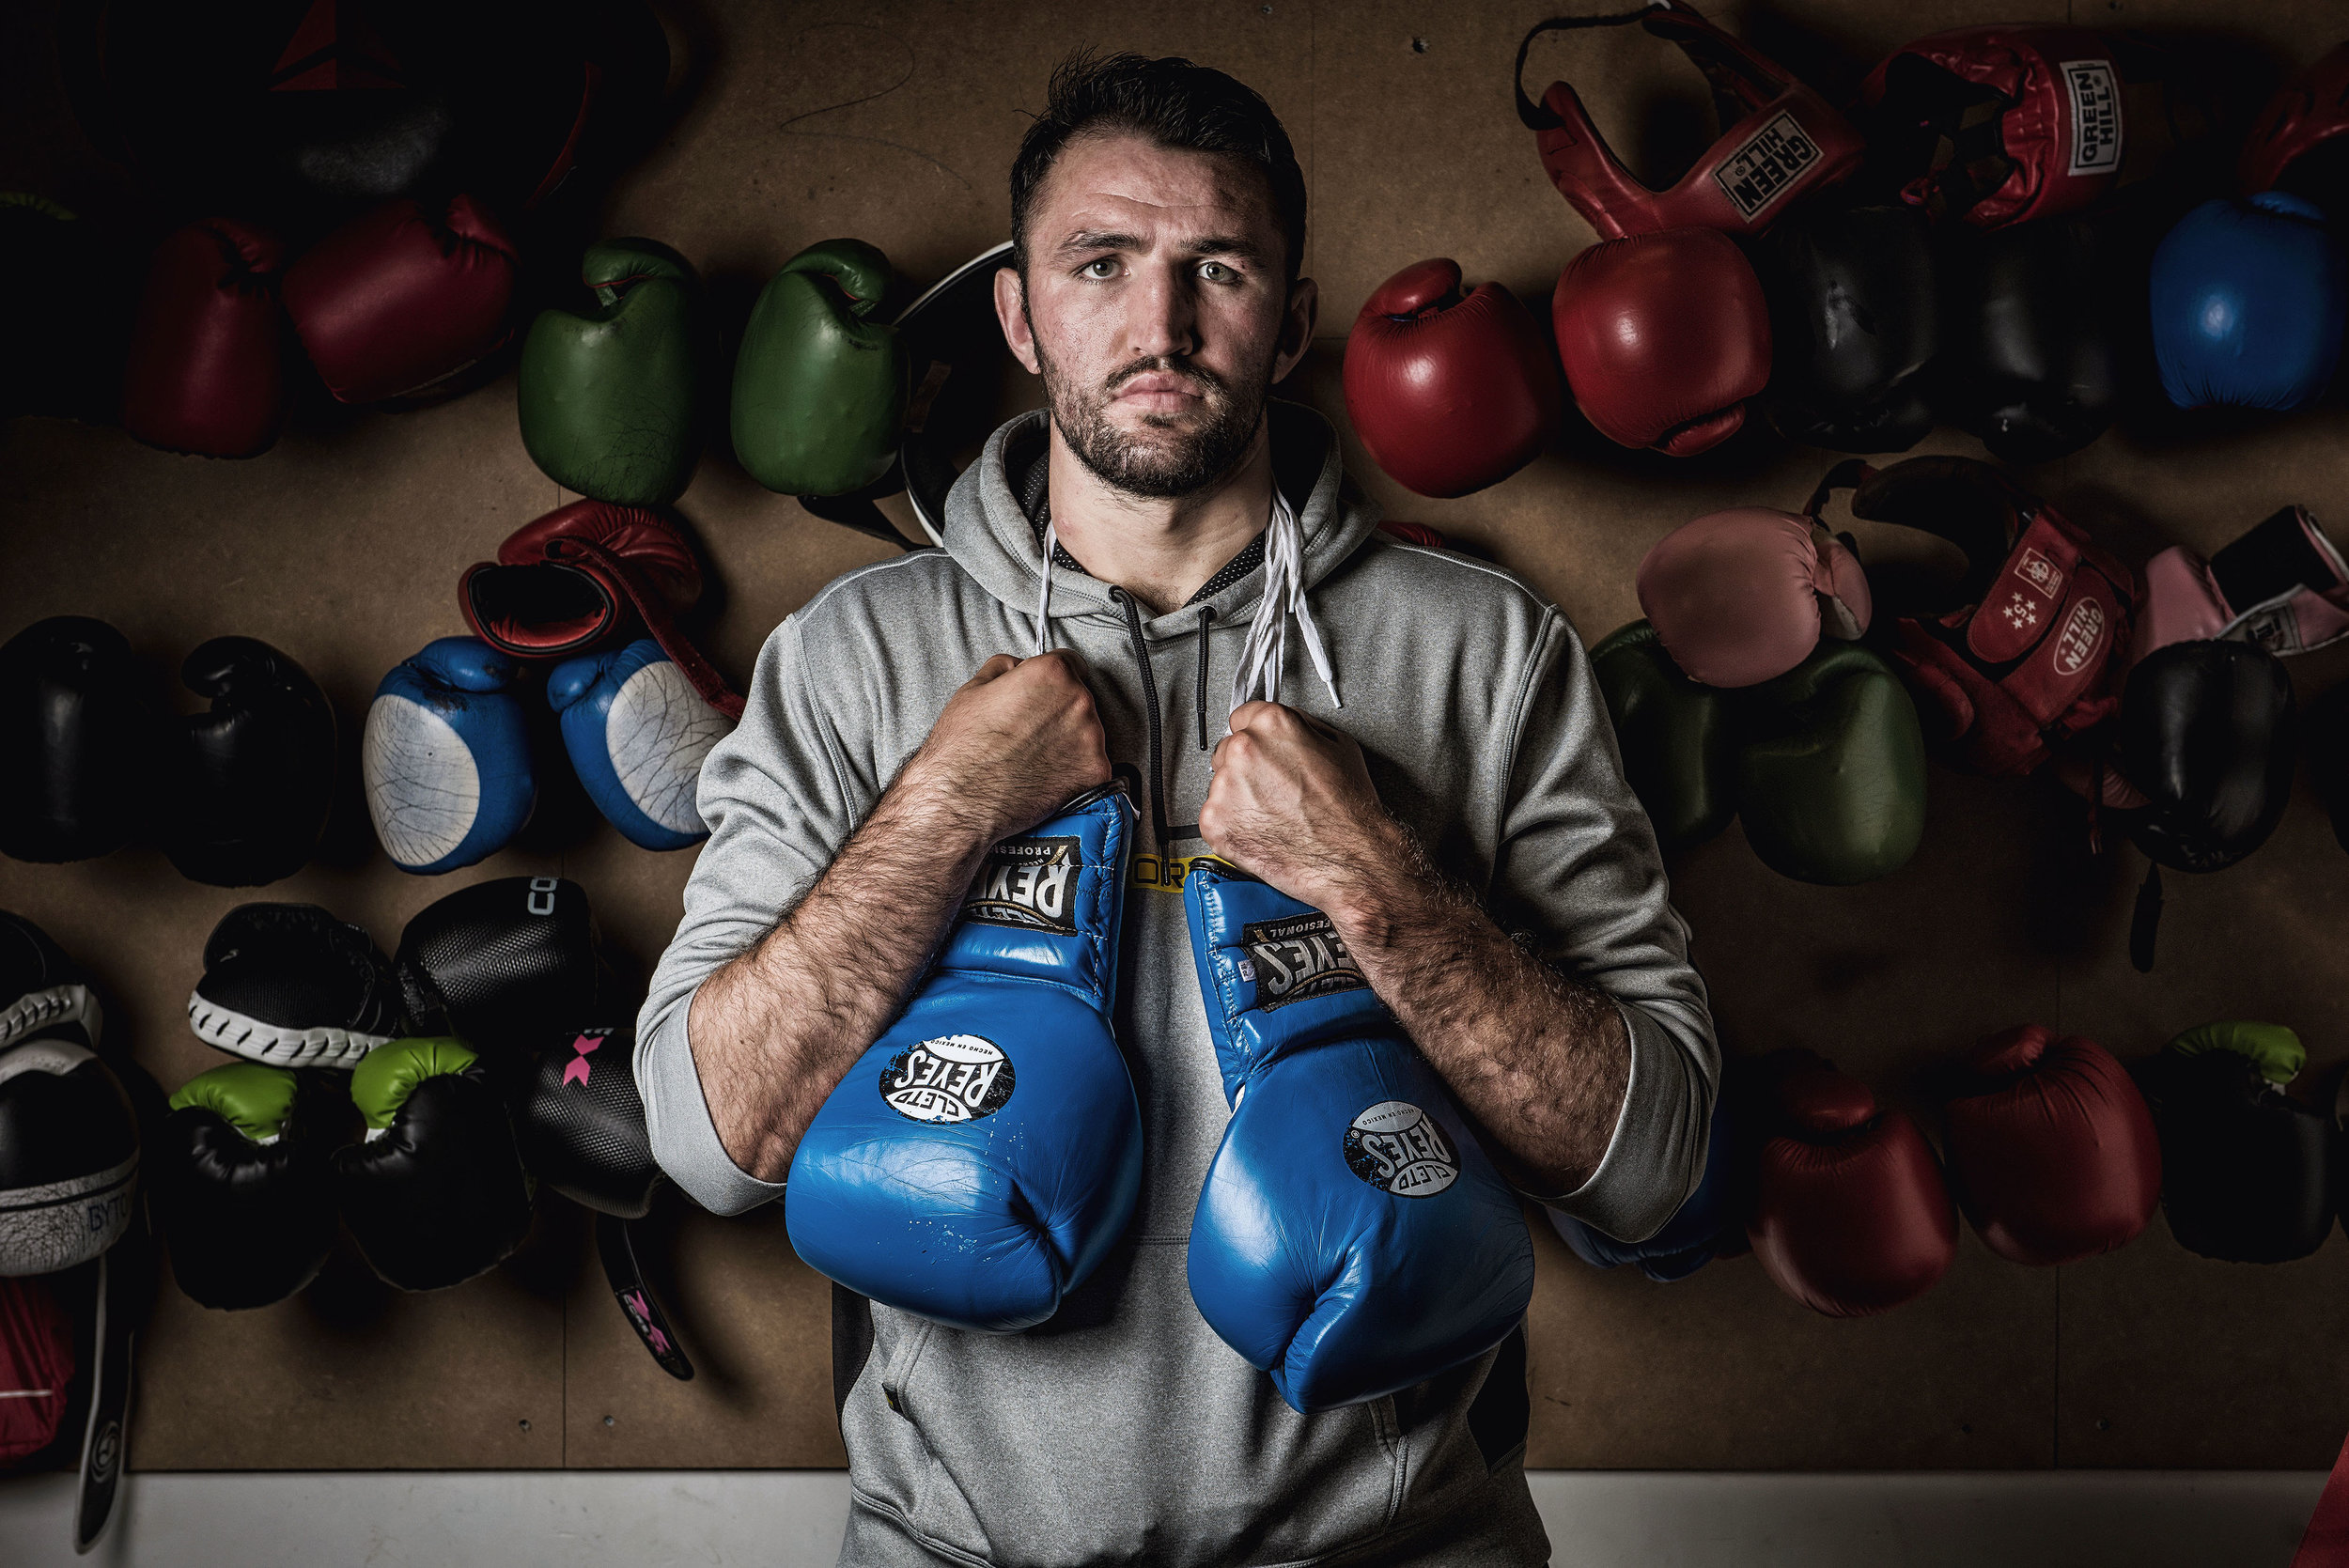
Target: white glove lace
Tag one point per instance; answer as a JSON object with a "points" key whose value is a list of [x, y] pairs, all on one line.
{"points": [[1267, 649]]}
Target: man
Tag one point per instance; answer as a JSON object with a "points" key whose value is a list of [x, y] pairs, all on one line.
{"points": [[1461, 818]]}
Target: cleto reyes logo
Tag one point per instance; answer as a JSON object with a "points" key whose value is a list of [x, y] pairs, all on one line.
{"points": [[1029, 884], [953, 1077], [1297, 957], [2083, 633], [1396, 1147]]}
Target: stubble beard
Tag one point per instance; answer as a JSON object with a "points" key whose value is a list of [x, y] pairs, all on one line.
{"points": [[1182, 462]]}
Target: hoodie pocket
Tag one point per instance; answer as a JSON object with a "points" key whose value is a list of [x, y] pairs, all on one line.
{"points": [[1143, 1438], [902, 1357]]}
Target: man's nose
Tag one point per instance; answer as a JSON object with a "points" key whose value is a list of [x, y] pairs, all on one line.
{"points": [[1162, 317]]}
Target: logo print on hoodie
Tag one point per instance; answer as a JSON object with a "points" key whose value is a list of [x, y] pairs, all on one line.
{"points": [[1295, 958], [954, 1078], [1028, 884]]}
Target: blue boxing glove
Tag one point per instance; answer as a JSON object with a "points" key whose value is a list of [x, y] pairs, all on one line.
{"points": [[1710, 1225], [2249, 300], [979, 1161], [447, 756], [1352, 1237], [637, 732]]}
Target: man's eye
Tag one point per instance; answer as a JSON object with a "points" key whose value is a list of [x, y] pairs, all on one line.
{"points": [[1106, 267], [1215, 271]]}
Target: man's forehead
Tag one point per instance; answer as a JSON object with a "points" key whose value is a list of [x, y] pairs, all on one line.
{"points": [[1127, 184]]}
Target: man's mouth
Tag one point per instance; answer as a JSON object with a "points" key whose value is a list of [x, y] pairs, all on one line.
{"points": [[1161, 392]]}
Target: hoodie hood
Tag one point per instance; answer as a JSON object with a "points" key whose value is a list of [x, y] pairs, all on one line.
{"points": [[989, 535]]}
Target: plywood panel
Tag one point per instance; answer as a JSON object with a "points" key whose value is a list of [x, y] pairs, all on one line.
{"points": [[1720, 1370], [757, 1324], [897, 124]]}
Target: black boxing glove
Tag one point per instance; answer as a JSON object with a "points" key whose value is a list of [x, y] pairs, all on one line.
{"points": [[2032, 366], [509, 966], [1855, 324], [243, 1187], [244, 789], [437, 1193], [2246, 1169], [2207, 732], [582, 1133], [75, 735]]}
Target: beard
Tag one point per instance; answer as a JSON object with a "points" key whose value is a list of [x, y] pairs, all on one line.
{"points": [[1168, 459]]}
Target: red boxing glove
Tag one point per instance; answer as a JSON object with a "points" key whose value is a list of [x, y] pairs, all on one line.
{"points": [[397, 299], [1851, 1216], [584, 576], [1663, 336], [1449, 392], [1742, 597], [2052, 1149], [206, 373]]}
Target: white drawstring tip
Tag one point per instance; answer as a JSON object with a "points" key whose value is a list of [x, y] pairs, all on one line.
{"points": [[1043, 593]]}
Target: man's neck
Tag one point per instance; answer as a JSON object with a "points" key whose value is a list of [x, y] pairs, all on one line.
{"points": [[1160, 551]]}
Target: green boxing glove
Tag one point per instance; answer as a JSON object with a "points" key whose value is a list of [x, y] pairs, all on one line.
{"points": [[819, 389], [1831, 768], [1678, 738], [610, 401]]}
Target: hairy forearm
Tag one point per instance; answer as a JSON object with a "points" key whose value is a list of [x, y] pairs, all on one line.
{"points": [[773, 1031], [1541, 1063]]}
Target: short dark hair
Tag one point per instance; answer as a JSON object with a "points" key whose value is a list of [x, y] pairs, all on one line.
{"points": [[1174, 103]]}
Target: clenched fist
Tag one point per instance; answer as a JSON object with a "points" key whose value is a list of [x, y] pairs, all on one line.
{"points": [[1014, 743], [1291, 803]]}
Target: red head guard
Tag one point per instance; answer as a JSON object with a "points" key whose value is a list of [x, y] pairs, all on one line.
{"points": [[1789, 139], [2308, 111]]}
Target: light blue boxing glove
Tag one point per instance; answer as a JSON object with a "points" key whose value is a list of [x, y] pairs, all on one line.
{"points": [[1352, 1237], [637, 732], [1710, 1225], [2249, 300], [981, 1159], [447, 756]]}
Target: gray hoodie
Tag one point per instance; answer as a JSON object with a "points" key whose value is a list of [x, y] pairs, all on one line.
{"points": [[1123, 1430]]}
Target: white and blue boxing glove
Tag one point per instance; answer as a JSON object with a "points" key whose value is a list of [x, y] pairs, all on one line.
{"points": [[1352, 1237], [637, 732], [447, 756], [982, 1157]]}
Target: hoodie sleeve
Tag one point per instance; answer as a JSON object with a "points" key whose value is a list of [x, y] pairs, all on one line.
{"points": [[775, 798], [1577, 872]]}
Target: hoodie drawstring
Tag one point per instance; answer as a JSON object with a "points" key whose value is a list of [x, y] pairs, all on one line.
{"points": [[1150, 706], [1206, 613], [1267, 649], [1044, 592]]}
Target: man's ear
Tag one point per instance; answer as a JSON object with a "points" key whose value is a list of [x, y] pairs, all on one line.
{"points": [[1011, 310], [1296, 327]]}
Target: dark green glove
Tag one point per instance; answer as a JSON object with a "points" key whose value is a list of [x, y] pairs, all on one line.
{"points": [[1831, 768], [819, 388], [610, 401], [1677, 737]]}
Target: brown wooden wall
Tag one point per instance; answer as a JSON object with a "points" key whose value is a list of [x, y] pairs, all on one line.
{"points": [[898, 126]]}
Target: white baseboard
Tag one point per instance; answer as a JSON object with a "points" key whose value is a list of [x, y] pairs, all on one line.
{"points": [[793, 1519]]}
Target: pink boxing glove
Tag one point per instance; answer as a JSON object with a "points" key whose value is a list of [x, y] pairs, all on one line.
{"points": [[1742, 597]]}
